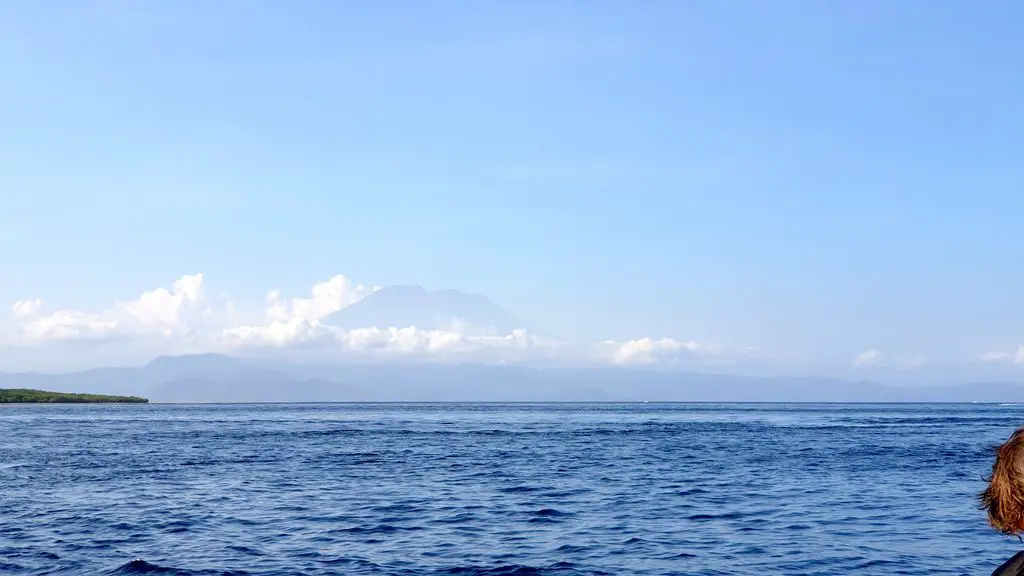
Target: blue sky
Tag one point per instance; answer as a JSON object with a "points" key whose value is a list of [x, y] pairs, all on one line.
{"points": [[810, 179]]}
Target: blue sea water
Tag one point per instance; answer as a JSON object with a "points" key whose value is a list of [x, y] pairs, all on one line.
{"points": [[498, 489]]}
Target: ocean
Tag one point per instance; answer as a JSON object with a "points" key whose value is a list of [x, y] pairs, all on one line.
{"points": [[448, 489]]}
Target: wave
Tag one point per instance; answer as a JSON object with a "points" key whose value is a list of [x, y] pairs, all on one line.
{"points": [[551, 512], [140, 566], [200, 495], [558, 568]]}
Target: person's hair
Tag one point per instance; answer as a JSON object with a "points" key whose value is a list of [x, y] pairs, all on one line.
{"points": [[1003, 499]]}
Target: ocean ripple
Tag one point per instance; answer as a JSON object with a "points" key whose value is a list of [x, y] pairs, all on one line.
{"points": [[477, 490]]}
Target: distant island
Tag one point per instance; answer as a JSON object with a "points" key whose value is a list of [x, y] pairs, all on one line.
{"points": [[26, 396]]}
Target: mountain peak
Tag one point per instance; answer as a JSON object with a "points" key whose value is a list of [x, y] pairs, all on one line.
{"points": [[404, 306]]}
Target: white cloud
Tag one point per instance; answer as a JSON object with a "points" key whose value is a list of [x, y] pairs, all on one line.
{"points": [[378, 341], [412, 340], [874, 358], [23, 308], [649, 351], [408, 340], [998, 356], [297, 321], [181, 319], [868, 358], [1018, 356], [327, 298], [70, 325], [276, 333], [158, 311], [162, 307]]}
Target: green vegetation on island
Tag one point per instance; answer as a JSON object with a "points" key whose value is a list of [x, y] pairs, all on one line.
{"points": [[26, 396]]}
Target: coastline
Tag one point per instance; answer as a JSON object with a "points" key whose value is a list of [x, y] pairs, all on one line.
{"points": [[29, 396]]}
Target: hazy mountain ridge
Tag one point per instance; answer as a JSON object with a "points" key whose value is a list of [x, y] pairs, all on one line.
{"points": [[217, 378]]}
